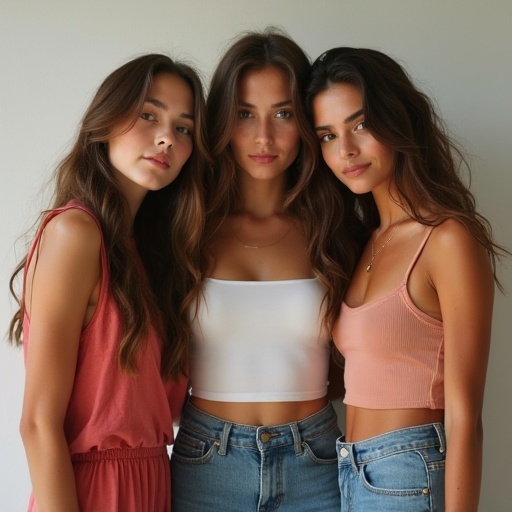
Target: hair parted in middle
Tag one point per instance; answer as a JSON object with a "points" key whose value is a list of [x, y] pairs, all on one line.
{"points": [[254, 51], [167, 227], [312, 196]]}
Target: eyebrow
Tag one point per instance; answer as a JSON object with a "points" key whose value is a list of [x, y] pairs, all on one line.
{"points": [[163, 106], [284, 103], [347, 120]]}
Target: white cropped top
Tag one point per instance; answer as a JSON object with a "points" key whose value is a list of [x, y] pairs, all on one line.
{"points": [[259, 341]]}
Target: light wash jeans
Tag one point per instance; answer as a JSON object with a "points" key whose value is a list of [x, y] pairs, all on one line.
{"points": [[218, 466], [401, 471]]}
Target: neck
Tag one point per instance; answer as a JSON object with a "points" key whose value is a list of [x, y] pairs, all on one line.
{"points": [[261, 198], [389, 211]]}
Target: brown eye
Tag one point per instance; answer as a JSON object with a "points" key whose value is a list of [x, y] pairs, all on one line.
{"points": [[284, 114], [326, 137], [184, 130], [147, 116]]}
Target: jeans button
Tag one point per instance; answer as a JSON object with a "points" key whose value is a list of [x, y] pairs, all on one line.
{"points": [[343, 453], [265, 437]]}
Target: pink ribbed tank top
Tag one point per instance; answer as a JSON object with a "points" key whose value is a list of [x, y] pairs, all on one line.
{"points": [[393, 351]]}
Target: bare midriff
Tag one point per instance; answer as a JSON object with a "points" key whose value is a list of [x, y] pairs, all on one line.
{"points": [[260, 413], [365, 423]]}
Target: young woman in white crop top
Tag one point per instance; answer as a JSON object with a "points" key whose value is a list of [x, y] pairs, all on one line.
{"points": [[258, 432], [416, 319]]}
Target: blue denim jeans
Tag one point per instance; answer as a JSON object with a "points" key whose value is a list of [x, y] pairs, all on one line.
{"points": [[401, 471], [221, 466]]}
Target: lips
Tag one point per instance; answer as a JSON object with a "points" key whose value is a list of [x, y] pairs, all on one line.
{"points": [[352, 171], [263, 158], [161, 160]]}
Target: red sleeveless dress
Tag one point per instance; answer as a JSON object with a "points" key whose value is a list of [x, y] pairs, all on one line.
{"points": [[117, 426]]}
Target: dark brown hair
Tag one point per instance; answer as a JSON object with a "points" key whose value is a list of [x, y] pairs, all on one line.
{"points": [[428, 161], [168, 224], [311, 197]]}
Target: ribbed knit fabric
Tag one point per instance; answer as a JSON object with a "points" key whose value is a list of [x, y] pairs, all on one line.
{"points": [[394, 352]]}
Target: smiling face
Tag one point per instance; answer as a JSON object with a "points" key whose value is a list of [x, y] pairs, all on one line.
{"points": [[152, 152], [357, 159], [266, 138]]}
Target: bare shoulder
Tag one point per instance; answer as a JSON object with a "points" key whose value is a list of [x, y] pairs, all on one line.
{"points": [[70, 245], [67, 266], [71, 222], [454, 251], [75, 228], [452, 234], [452, 231]]}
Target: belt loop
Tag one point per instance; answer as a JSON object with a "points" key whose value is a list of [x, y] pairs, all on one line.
{"points": [[347, 450], [440, 434], [353, 458], [224, 437], [297, 439]]}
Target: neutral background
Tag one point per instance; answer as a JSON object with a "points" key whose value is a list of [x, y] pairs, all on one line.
{"points": [[55, 53]]}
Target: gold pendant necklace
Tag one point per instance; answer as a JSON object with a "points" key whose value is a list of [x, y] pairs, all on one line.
{"points": [[369, 266]]}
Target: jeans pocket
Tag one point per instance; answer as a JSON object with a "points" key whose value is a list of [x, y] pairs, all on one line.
{"points": [[192, 449], [322, 449], [399, 474]]}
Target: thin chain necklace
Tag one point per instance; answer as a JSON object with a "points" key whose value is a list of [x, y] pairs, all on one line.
{"points": [[369, 266], [247, 246]]}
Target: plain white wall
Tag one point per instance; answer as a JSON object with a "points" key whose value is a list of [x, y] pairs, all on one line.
{"points": [[54, 54]]}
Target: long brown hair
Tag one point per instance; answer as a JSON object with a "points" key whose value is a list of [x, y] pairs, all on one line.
{"points": [[428, 161], [168, 224], [311, 196]]}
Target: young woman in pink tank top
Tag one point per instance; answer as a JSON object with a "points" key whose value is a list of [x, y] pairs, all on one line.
{"points": [[415, 324], [102, 312]]}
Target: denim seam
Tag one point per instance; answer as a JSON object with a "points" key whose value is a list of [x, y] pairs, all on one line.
{"points": [[398, 492], [388, 492], [321, 431], [394, 450]]}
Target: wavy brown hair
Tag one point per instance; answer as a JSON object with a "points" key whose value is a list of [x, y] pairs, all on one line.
{"points": [[311, 197], [428, 161], [167, 226]]}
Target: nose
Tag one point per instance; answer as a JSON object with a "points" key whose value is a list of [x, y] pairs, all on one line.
{"points": [[264, 134], [347, 147], [164, 138]]}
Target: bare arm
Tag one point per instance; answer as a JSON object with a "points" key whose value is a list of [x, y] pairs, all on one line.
{"points": [[58, 292], [462, 276]]}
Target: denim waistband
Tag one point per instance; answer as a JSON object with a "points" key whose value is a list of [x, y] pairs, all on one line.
{"points": [[262, 438], [419, 437]]}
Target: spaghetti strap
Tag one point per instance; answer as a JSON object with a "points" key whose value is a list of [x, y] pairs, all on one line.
{"points": [[418, 252]]}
